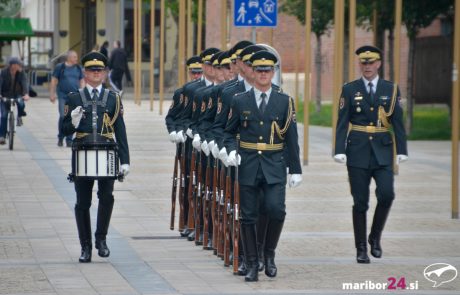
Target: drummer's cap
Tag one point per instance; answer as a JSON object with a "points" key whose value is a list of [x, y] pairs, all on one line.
{"points": [[234, 53], [368, 54], [207, 54], [263, 61], [247, 52], [194, 64], [94, 61]]}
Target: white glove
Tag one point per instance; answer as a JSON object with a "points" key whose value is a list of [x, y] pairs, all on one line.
{"points": [[340, 158], [205, 148], [401, 158], [172, 136], [215, 151], [189, 133], [196, 142], [211, 145], [225, 162], [124, 169], [76, 115], [295, 180], [180, 137], [233, 159], [223, 154]]}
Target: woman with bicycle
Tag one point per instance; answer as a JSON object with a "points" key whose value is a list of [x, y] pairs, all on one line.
{"points": [[13, 84]]}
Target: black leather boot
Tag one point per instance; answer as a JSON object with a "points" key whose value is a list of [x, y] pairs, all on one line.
{"points": [[262, 225], [249, 239], [104, 213], [271, 242], [83, 219], [380, 217], [242, 270], [191, 236], [359, 226]]}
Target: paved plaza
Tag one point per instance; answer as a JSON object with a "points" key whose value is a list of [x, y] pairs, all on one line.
{"points": [[39, 245]]}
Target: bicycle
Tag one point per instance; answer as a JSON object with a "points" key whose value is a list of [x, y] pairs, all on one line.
{"points": [[11, 127]]}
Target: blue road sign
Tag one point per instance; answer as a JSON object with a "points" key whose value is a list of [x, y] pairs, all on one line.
{"points": [[255, 13]]}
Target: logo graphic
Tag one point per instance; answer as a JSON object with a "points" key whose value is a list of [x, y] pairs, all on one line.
{"points": [[440, 273]]}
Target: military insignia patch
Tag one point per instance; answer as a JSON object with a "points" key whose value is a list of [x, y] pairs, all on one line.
{"points": [[210, 103], [219, 106], [66, 109], [122, 110], [342, 102], [294, 117], [203, 106], [230, 114], [194, 106], [181, 99]]}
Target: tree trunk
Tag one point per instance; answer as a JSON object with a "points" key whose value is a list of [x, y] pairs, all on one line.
{"points": [[391, 39], [346, 41], [410, 78], [380, 39], [318, 68]]}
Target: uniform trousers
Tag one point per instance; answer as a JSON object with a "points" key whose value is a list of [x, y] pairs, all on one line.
{"points": [[272, 196]]}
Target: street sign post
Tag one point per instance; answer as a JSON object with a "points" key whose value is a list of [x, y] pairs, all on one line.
{"points": [[255, 13]]}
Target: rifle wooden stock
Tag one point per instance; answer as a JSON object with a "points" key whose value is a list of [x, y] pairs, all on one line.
{"points": [[236, 220], [190, 192], [206, 199], [199, 190], [227, 216], [214, 205], [221, 237], [182, 189], [174, 190]]}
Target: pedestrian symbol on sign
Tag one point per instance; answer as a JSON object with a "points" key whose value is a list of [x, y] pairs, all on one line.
{"points": [[256, 13]]}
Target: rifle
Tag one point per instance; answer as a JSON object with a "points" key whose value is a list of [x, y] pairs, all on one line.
{"points": [[227, 216], [206, 209], [236, 217], [221, 207], [190, 192], [214, 206], [182, 189], [174, 190], [198, 201]]}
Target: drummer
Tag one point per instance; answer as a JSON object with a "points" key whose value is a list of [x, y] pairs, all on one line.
{"points": [[109, 125]]}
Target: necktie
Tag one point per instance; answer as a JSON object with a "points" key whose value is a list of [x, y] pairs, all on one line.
{"points": [[371, 92], [263, 103], [95, 94]]}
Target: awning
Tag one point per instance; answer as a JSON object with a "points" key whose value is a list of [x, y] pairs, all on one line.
{"points": [[15, 29]]}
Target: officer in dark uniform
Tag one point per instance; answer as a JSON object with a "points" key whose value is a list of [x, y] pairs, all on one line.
{"points": [[265, 121], [109, 122], [195, 72], [368, 109]]}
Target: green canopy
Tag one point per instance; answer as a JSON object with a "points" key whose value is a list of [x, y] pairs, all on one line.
{"points": [[15, 29]]}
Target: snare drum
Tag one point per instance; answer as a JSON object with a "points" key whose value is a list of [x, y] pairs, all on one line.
{"points": [[95, 160]]}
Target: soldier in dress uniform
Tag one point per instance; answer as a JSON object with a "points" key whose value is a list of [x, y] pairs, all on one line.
{"points": [[265, 121], [109, 121], [195, 71], [369, 109]]}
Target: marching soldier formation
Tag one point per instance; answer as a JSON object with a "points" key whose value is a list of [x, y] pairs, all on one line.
{"points": [[237, 148], [236, 135]]}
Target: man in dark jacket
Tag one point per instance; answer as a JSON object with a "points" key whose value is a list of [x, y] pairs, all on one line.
{"points": [[118, 65]]}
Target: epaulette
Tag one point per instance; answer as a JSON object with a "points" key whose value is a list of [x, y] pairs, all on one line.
{"points": [[240, 93]]}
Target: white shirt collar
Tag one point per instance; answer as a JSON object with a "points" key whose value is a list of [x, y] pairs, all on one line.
{"points": [[207, 82], [374, 83], [90, 89], [257, 94], [247, 86]]}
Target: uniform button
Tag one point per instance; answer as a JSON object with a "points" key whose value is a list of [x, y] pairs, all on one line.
{"points": [[370, 137], [260, 138], [371, 123], [261, 123], [372, 109], [259, 152]]}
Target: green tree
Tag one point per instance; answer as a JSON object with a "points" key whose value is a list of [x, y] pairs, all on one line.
{"points": [[322, 16]]}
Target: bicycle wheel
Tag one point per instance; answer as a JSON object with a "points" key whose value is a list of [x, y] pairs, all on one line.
{"points": [[11, 131]]}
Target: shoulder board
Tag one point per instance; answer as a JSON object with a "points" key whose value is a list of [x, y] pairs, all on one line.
{"points": [[241, 93]]}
